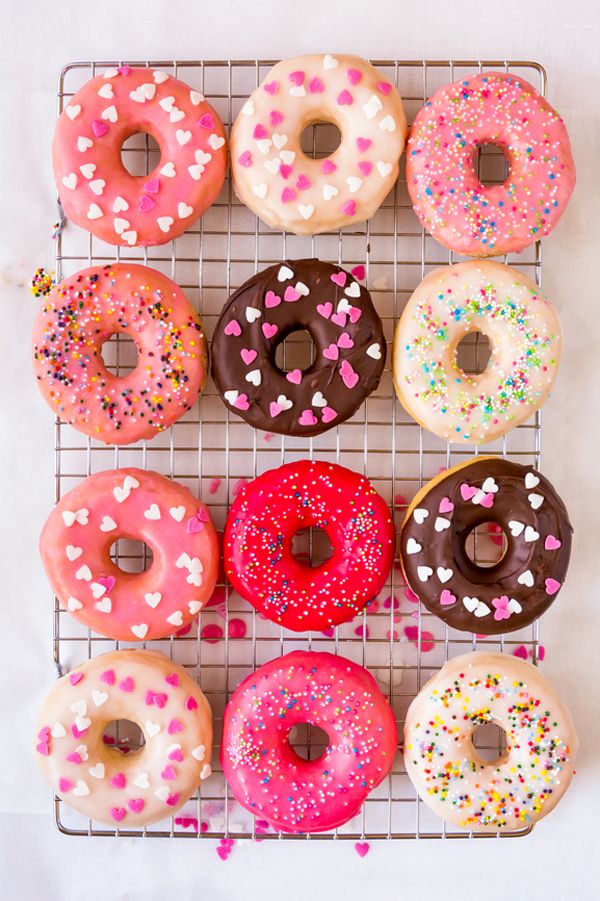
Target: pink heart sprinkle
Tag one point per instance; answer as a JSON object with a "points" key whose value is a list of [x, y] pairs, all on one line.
{"points": [[233, 328], [174, 726], [74, 678], [65, 785], [345, 98], [294, 376], [467, 491], [247, 354], [152, 186], [363, 144], [118, 780], [384, 87], [521, 652], [160, 699], [173, 799], [303, 182], [325, 309], [44, 734], [355, 313], [127, 684], [551, 543], [291, 294], [241, 402], [446, 505], [176, 754], [362, 848], [107, 581], [362, 631], [307, 418], [354, 76], [328, 414], [43, 748], [76, 732], [117, 813], [297, 77], [285, 171], [358, 272], [269, 330], [275, 117], [191, 703], [339, 278], [327, 167], [339, 319], [552, 586], [169, 772], [331, 352], [99, 128], [124, 70], [136, 804], [74, 757], [172, 679], [287, 195], [245, 159], [487, 501], [316, 86], [223, 852], [365, 168], [145, 204], [194, 525], [274, 409], [206, 121], [349, 208], [447, 599], [271, 87], [272, 300], [108, 676], [260, 132], [349, 376], [345, 341]]}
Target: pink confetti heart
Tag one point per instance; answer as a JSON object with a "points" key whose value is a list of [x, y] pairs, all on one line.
{"points": [[145, 204], [287, 195], [297, 77], [447, 599], [65, 785], [117, 813], [349, 208], [269, 329], [191, 703], [260, 132], [316, 86], [176, 754], [108, 676], [384, 87], [551, 543], [249, 355], [99, 128], [345, 98], [136, 804], [446, 505], [169, 772], [194, 525], [74, 757], [327, 167], [467, 491], [487, 501], [362, 848], [303, 182], [173, 799], [172, 679], [44, 733], [365, 168], [271, 87], [291, 294], [152, 186], [276, 118], [274, 409], [241, 402], [325, 309], [349, 376], [174, 726], [118, 780], [339, 278], [328, 414], [107, 582], [245, 159], [354, 76], [307, 418], [76, 733], [521, 652], [339, 319], [124, 70], [233, 328], [294, 376], [552, 586], [345, 341], [331, 352], [354, 313], [272, 300], [43, 748], [363, 144], [127, 684], [223, 852], [358, 272], [160, 699], [285, 171], [206, 121], [74, 678]]}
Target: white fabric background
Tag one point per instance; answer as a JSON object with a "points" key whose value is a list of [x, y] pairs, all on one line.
{"points": [[35, 40]]}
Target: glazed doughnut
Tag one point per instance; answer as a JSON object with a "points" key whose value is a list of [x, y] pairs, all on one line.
{"points": [[453, 205], [530, 778], [101, 782], [263, 770], [348, 339], [257, 544], [96, 190], [288, 189], [80, 314], [524, 332], [143, 506], [518, 588]]}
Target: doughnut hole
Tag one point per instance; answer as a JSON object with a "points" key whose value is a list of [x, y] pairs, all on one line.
{"points": [[473, 353], [311, 547], [130, 555], [296, 351], [489, 741], [124, 736], [140, 153], [120, 354], [486, 545], [320, 139], [308, 741], [491, 164]]}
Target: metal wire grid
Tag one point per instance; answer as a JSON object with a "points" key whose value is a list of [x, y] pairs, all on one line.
{"points": [[210, 451]]}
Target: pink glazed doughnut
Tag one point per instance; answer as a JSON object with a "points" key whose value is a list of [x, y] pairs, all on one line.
{"points": [[101, 782], [144, 506], [265, 773], [80, 314], [288, 189], [452, 204], [96, 190]]}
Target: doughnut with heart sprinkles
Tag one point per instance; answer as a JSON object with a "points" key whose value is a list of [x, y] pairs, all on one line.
{"points": [[257, 544], [144, 786], [96, 190], [266, 774], [80, 314], [288, 189], [453, 205], [453, 779], [524, 332], [349, 348], [514, 590], [142, 506]]}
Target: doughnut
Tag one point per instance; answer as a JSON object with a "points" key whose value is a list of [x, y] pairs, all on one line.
{"points": [[527, 781], [460, 212], [80, 314], [518, 588], [263, 770], [288, 189], [257, 544], [96, 190], [143, 786], [349, 348], [524, 333], [142, 506]]}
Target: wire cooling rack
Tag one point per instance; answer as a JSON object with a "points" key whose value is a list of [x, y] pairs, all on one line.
{"points": [[212, 451]]}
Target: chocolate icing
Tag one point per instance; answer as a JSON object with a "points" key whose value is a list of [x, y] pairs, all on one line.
{"points": [[541, 562], [290, 296]]}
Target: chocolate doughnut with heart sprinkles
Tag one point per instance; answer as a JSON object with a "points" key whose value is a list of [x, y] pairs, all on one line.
{"points": [[349, 348], [513, 591]]}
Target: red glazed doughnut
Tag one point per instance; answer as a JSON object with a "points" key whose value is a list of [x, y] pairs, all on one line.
{"points": [[96, 190], [81, 314], [260, 527], [265, 773], [145, 506]]}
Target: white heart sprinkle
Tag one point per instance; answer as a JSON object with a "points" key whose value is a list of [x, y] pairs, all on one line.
{"points": [[284, 274], [306, 210], [70, 181], [165, 223], [254, 377], [444, 574], [81, 789], [526, 578], [354, 183], [302, 289], [199, 752], [153, 598], [183, 136], [82, 723], [176, 619], [196, 97], [107, 524], [288, 156], [104, 606], [284, 402], [73, 553], [420, 515], [121, 494], [106, 91], [110, 114], [424, 572], [58, 731], [372, 106], [352, 290], [515, 527], [121, 225], [87, 170], [130, 482], [97, 771], [111, 73], [531, 480], [374, 351], [152, 728], [388, 124], [215, 142], [162, 793], [298, 90], [514, 606], [177, 513], [120, 204], [330, 191], [82, 751], [264, 145], [84, 144], [384, 169], [130, 237], [73, 604], [330, 62], [140, 630], [94, 211], [202, 158], [168, 170], [84, 573], [159, 77], [196, 172], [536, 501], [482, 610], [279, 140], [153, 512], [206, 771], [413, 547], [318, 400], [184, 210], [230, 397], [73, 111], [531, 534], [194, 607], [79, 707], [141, 781], [176, 115], [470, 603], [441, 523], [99, 697], [252, 314], [260, 189], [97, 589]]}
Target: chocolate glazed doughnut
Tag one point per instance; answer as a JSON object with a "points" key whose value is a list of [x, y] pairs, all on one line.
{"points": [[522, 585], [349, 348]]}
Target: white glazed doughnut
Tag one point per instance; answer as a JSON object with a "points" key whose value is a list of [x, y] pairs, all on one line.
{"points": [[524, 332], [453, 780], [101, 782], [279, 182]]}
